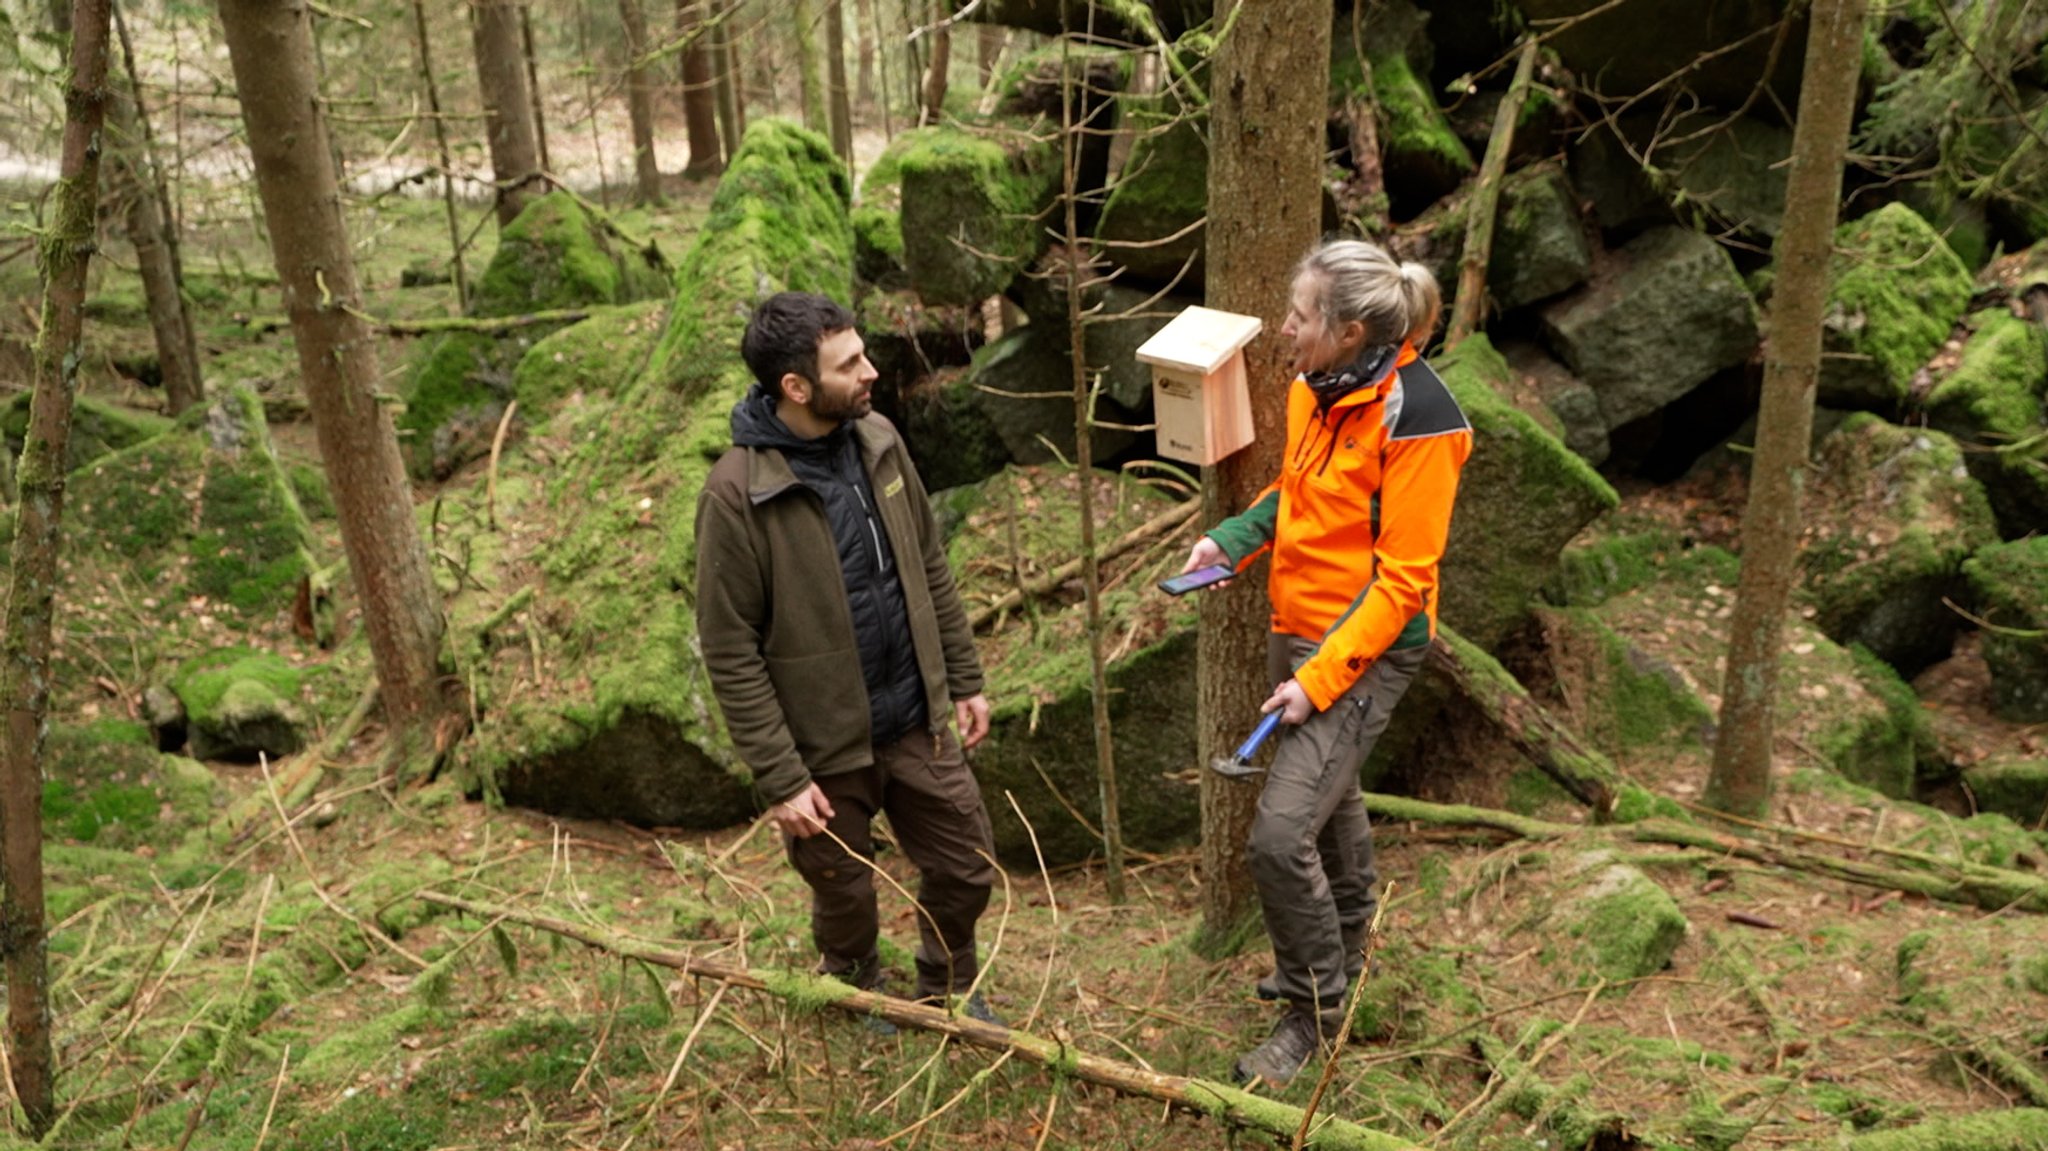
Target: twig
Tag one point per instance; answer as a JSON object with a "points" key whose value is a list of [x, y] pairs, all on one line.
{"points": [[676, 1068], [1372, 947], [1165, 522], [491, 479], [276, 1086]]}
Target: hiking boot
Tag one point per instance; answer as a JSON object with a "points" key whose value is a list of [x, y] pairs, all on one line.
{"points": [[1294, 1041], [977, 1008], [879, 1027]]}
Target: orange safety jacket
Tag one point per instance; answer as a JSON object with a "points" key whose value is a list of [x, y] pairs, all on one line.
{"points": [[1357, 520]]}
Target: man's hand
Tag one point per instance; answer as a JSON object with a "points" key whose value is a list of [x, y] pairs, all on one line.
{"points": [[1206, 553], [972, 714], [1292, 703], [803, 814]]}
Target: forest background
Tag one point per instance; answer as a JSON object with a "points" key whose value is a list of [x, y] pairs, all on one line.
{"points": [[377, 349]]}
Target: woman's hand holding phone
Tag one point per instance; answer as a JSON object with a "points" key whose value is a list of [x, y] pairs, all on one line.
{"points": [[1206, 554]]}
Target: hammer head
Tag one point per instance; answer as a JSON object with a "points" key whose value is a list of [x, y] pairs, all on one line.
{"points": [[1234, 767]]}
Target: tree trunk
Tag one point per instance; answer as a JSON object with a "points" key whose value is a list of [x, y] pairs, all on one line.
{"points": [[732, 90], [419, 24], [176, 350], [864, 73], [640, 105], [810, 66], [60, 17], [989, 49], [508, 105], [589, 70], [190, 388], [1741, 777], [835, 74], [540, 119], [270, 49], [700, 99], [66, 250], [932, 100], [1265, 211], [721, 72]]}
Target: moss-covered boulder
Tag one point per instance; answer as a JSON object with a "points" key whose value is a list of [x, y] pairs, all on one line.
{"points": [[1614, 922], [594, 357], [2011, 585], [1422, 158], [1892, 515], [971, 202], [1025, 381], [1840, 705], [878, 216], [1721, 50], [952, 437], [1993, 403], [1540, 246], [1625, 701], [907, 340], [202, 512], [1733, 176], [1573, 408], [2012, 786], [555, 255], [1161, 191], [779, 219], [96, 429], [105, 784], [1042, 748], [623, 725], [1895, 289], [1661, 317], [241, 703], [1522, 497]]}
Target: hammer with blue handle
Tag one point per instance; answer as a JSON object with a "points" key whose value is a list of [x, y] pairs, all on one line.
{"points": [[1238, 764]]}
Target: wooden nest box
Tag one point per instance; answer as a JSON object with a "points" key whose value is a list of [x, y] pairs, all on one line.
{"points": [[1199, 395]]}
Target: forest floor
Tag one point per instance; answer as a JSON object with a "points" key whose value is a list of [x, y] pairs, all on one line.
{"points": [[272, 980]]}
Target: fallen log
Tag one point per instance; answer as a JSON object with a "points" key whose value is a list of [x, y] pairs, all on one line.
{"points": [[482, 325], [1470, 302], [1227, 1105], [1936, 877], [2021, 1129], [1581, 770]]}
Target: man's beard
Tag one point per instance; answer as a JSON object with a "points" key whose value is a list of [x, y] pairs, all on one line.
{"points": [[838, 409]]}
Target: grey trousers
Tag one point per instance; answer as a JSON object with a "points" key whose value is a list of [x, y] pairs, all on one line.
{"points": [[1310, 850], [934, 807]]}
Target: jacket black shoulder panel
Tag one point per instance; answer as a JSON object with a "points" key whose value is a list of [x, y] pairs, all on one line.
{"points": [[1427, 407]]}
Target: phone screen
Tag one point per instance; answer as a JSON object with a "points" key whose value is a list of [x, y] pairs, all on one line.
{"points": [[1199, 578]]}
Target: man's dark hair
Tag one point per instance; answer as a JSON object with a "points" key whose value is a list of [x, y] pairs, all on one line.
{"points": [[783, 336]]}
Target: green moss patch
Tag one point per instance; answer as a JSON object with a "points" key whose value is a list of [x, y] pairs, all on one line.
{"points": [[205, 510], [96, 429], [599, 356], [1162, 190], [1895, 290], [878, 218], [1619, 924], [105, 784], [1894, 513], [2011, 585], [971, 202], [240, 702], [1992, 404], [1522, 496]]}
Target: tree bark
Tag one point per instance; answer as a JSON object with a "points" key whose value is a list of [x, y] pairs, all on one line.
{"points": [[188, 387], [932, 99], [65, 251], [810, 67], [1226, 1105], [508, 105], [1470, 303], [700, 95], [988, 41], [640, 105], [835, 75], [419, 24], [1265, 211], [864, 72], [726, 82], [1741, 778], [540, 119], [176, 350], [270, 48]]}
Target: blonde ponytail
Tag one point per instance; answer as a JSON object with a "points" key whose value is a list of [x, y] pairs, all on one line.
{"points": [[1396, 302]]}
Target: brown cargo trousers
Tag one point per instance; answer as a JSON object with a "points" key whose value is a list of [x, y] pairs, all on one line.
{"points": [[1310, 849], [934, 807]]}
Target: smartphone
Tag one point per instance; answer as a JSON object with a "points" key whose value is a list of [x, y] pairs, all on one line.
{"points": [[1198, 578]]}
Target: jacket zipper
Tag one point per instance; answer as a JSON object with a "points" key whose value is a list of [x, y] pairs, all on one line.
{"points": [[868, 513]]}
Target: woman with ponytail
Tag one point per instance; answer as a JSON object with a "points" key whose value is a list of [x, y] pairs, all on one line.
{"points": [[1356, 523]]}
